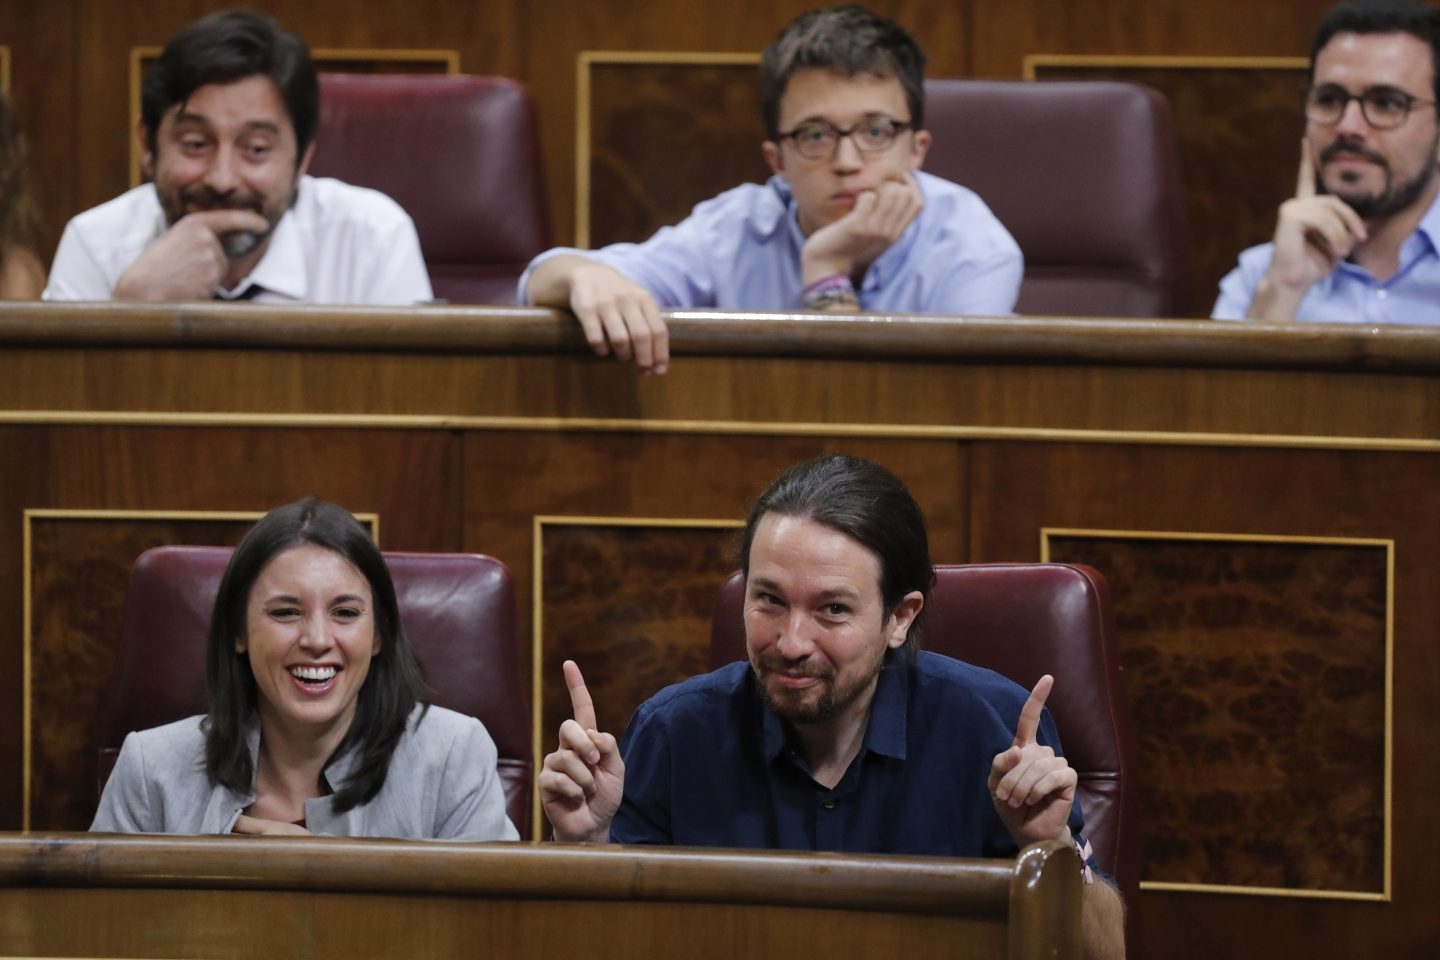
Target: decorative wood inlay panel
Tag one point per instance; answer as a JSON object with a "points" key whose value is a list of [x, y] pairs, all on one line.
{"points": [[1259, 677], [72, 646], [658, 133], [627, 600], [1238, 122]]}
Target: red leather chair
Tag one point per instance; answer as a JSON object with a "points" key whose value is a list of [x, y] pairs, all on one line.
{"points": [[1085, 175], [458, 611], [460, 154], [1025, 620]]}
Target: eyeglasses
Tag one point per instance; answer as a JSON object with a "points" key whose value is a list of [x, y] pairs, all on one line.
{"points": [[1384, 108], [819, 140]]}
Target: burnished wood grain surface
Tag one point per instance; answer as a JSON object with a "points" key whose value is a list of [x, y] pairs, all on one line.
{"points": [[335, 898], [952, 377], [511, 330]]}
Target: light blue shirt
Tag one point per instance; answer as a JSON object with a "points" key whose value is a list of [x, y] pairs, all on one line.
{"points": [[1351, 294], [741, 251]]}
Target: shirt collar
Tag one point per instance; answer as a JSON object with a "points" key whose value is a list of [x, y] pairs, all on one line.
{"points": [[282, 270], [1425, 240], [885, 733], [337, 771], [1429, 227]]}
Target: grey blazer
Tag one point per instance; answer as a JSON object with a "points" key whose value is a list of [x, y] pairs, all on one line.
{"points": [[442, 785]]}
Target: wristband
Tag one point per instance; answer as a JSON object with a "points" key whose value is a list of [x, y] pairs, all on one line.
{"points": [[828, 291], [1087, 875]]}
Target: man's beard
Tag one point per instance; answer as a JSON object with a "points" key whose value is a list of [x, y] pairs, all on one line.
{"points": [[791, 705], [1395, 198], [235, 243]]}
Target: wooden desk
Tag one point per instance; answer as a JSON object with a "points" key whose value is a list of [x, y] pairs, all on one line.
{"points": [[1262, 499], [108, 896]]}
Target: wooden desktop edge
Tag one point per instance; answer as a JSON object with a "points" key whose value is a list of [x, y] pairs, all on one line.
{"points": [[910, 885], [522, 330]]}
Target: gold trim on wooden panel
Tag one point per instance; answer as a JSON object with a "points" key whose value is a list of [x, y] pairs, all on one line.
{"points": [[1280, 892], [537, 581], [1377, 542], [729, 427], [1034, 61], [4, 69], [590, 58], [25, 626], [28, 517], [451, 58], [321, 55], [1094, 534]]}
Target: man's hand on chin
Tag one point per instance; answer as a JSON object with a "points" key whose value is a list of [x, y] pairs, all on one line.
{"points": [[849, 245], [188, 261]]}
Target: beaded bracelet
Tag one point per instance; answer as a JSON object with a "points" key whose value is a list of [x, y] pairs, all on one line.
{"points": [[828, 291], [1083, 849]]}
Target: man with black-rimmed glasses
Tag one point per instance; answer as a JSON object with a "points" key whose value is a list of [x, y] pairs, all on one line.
{"points": [[848, 221], [1360, 240]]}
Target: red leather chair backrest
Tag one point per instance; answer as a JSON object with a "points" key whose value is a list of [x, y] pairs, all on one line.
{"points": [[1085, 175], [1025, 620], [458, 611], [460, 154]]}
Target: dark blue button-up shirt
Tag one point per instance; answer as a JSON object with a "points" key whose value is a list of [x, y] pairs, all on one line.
{"points": [[707, 764]]}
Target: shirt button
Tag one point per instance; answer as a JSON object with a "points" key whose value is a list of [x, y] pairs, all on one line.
{"points": [[1382, 293], [828, 804]]}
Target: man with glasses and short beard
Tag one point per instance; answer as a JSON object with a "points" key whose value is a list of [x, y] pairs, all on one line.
{"points": [[227, 125], [1360, 240], [847, 222]]}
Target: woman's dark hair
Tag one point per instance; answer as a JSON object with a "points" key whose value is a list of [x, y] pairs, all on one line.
{"points": [[228, 46], [869, 505], [391, 690]]}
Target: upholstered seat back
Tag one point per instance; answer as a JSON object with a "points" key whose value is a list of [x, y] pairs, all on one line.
{"points": [[1085, 175], [458, 611], [1025, 620], [460, 154]]}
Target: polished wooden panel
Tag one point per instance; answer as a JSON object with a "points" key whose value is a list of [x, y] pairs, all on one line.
{"points": [[43, 89], [630, 604], [1021, 489], [1269, 662], [20, 487], [460, 427], [1198, 377], [73, 646], [341, 898], [1239, 28], [642, 117]]}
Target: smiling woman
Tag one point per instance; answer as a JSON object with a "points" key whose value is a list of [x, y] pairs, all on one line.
{"points": [[315, 723]]}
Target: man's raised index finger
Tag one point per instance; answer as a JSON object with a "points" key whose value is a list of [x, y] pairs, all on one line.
{"points": [[1305, 180], [1030, 713], [580, 702]]}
